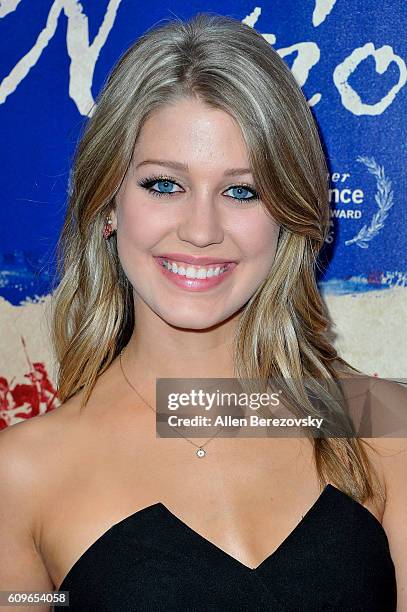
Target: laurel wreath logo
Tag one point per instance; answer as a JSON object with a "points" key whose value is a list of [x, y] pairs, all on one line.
{"points": [[384, 200]]}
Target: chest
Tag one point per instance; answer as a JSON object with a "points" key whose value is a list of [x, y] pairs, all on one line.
{"points": [[243, 501]]}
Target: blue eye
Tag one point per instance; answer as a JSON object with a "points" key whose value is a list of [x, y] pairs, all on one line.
{"points": [[165, 185], [241, 189], [164, 182]]}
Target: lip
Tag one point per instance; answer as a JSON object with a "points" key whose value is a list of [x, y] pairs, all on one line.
{"points": [[194, 260], [194, 284]]}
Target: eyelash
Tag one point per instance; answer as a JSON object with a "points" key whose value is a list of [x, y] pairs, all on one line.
{"points": [[148, 182]]}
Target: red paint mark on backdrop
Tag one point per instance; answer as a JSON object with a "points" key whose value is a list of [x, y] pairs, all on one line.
{"points": [[26, 400]]}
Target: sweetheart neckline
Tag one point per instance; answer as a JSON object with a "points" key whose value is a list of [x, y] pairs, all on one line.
{"points": [[160, 505]]}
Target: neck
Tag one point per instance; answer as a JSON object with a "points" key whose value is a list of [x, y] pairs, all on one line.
{"points": [[157, 349]]}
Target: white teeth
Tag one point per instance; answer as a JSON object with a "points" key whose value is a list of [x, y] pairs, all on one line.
{"points": [[191, 272], [201, 273]]}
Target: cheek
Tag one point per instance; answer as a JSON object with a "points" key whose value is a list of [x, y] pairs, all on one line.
{"points": [[258, 239], [141, 224]]}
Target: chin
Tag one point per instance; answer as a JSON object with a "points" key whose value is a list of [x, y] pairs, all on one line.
{"points": [[191, 320]]}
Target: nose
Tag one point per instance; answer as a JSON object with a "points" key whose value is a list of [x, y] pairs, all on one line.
{"points": [[200, 222]]}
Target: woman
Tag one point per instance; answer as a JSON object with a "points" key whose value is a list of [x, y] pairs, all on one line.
{"points": [[198, 205]]}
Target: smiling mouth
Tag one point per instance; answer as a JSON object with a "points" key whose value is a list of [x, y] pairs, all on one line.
{"points": [[195, 278]]}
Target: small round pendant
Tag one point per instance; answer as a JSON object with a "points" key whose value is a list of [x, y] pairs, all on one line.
{"points": [[200, 452]]}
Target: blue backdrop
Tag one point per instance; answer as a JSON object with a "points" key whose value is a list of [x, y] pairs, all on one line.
{"points": [[348, 57]]}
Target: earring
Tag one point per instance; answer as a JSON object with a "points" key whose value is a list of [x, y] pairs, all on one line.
{"points": [[108, 230]]}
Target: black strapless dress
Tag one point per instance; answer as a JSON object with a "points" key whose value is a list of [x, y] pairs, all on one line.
{"points": [[336, 558]]}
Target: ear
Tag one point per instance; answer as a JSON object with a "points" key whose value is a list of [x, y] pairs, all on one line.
{"points": [[113, 217]]}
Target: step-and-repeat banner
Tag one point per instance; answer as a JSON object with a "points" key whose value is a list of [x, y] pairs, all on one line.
{"points": [[348, 56]]}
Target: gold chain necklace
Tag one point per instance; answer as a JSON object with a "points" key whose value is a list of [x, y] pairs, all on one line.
{"points": [[200, 452]]}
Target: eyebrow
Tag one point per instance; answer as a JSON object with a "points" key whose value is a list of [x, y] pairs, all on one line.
{"points": [[180, 166]]}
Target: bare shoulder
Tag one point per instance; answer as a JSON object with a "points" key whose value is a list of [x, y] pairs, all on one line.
{"points": [[25, 442], [43, 448], [389, 402], [385, 405], [392, 453], [28, 450], [27, 447], [379, 407], [25, 452], [388, 414]]}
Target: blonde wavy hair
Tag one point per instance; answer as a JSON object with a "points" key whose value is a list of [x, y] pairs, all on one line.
{"points": [[283, 330]]}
